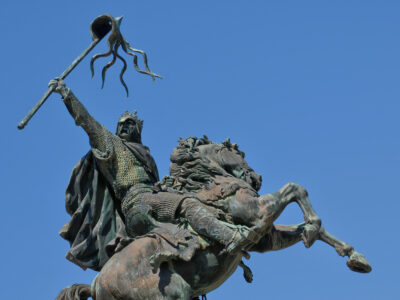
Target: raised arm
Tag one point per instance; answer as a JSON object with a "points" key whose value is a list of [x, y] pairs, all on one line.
{"points": [[97, 133]]}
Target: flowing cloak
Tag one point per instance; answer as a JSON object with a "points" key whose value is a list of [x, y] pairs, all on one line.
{"points": [[96, 229]]}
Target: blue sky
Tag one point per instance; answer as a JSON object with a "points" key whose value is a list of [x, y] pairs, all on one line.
{"points": [[308, 89]]}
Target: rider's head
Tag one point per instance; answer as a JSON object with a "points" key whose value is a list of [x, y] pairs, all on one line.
{"points": [[130, 127]]}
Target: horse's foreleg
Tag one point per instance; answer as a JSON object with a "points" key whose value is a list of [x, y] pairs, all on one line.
{"points": [[313, 230], [279, 237], [356, 262], [261, 212], [270, 206], [293, 192], [283, 236]]}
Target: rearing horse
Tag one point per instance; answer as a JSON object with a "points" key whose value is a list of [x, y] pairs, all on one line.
{"points": [[219, 176]]}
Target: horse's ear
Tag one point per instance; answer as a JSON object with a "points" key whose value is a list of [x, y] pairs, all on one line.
{"points": [[227, 142], [205, 140]]}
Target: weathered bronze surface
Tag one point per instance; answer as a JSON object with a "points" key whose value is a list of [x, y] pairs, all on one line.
{"points": [[179, 237]]}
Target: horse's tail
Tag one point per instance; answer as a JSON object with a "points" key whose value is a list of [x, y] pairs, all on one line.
{"points": [[75, 292]]}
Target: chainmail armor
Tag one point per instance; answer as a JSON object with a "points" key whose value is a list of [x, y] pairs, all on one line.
{"points": [[163, 206], [131, 182], [130, 200], [120, 166]]}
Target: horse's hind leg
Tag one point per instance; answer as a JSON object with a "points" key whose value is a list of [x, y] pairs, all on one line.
{"points": [[172, 286], [129, 275], [167, 286], [162, 285]]}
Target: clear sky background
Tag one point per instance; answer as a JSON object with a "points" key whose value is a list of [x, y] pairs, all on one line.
{"points": [[308, 89]]}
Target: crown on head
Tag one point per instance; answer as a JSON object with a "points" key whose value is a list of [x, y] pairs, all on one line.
{"points": [[127, 115]]}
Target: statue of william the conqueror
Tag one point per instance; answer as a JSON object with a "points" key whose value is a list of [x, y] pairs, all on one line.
{"points": [[175, 238]]}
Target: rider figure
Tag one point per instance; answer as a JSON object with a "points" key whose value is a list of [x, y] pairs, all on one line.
{"points": [[131, 171]]}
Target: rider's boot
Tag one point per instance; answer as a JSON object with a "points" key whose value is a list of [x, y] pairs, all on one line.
{"points": [[234, 238]]}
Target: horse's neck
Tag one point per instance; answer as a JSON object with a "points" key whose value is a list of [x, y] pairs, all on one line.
{"points": [[220, 188]]}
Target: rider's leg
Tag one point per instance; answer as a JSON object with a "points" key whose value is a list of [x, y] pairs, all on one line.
{"points": [[234, 238]]}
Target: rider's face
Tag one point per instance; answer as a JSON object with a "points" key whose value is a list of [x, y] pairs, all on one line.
{"points": [[127, 130]]}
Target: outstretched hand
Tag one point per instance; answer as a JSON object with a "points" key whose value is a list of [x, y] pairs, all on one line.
{"points": [[59, 86]]}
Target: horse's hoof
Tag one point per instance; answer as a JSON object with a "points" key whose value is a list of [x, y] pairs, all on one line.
{"points": [[310, 234], [358, 263]]}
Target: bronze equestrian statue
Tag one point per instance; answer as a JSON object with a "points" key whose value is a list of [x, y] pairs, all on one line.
{"points": [[179, 237]]}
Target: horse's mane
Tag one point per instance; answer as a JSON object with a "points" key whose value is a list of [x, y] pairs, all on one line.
{"points": [[191, 168]]}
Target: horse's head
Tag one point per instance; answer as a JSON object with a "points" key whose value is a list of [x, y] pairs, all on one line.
{"points": [[199, 160]]}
